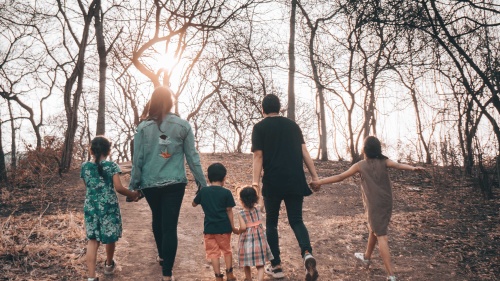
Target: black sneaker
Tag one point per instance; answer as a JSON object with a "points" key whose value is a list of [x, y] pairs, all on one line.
{"points": [[310, 265], [275, 272]]}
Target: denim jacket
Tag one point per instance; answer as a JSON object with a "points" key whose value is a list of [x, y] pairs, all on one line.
{"points": [[159, 154]]}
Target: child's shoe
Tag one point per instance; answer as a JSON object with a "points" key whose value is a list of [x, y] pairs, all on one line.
{"points": [[361, 258], [310, 265], [93, 279], [275, 272], [230, 275], [391, 278], [109, 269], [219, 277]]}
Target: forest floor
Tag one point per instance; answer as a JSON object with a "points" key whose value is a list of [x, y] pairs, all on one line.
{"points": [[441, 229]]}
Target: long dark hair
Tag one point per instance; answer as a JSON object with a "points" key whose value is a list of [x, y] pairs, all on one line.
{"points": [[372, 148], [161, 102], [100, 146], [249, 197]]}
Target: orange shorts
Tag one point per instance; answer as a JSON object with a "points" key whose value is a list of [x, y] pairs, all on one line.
{"points": [[217, 243]]}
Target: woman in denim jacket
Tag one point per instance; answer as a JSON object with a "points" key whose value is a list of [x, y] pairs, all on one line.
{"points": [[161, 142]]}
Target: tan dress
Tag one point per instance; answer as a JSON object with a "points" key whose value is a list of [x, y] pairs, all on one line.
{"points": [[377, 194]]}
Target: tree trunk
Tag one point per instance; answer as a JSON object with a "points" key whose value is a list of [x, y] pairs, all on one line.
{"points": [[101, 50], [13, 148], [71, 105], [428, 158], [291, 67], [3, 168]]}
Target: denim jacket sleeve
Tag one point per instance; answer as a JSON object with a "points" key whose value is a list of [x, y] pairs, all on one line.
{"points": [[193, 159], [138, 161]]}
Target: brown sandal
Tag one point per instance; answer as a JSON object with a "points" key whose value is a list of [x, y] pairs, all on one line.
{"points": [[230, 275]]}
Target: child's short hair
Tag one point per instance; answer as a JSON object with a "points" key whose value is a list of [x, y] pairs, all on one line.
{"points": [[216, 172], [248, 196]]}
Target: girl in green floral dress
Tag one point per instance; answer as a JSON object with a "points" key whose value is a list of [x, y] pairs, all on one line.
{"points": [[103, 222]]}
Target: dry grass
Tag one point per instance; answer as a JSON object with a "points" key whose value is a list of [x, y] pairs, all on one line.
{"points": [[43, 247]]}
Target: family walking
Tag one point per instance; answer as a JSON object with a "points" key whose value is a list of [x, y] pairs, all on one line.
{"points": [[163, 140]]}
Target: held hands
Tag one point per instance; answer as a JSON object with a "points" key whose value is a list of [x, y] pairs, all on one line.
{"points": [[315, 185], [136, 196], [236, 230]]}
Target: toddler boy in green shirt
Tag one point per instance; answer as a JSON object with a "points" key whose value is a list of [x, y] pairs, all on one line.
{"points": [[217, 203]]}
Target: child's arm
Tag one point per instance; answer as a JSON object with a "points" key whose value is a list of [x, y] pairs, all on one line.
{"points": [[315, 185], [229, 211], [243, 226], [117, 183], [196, 200], [399, 166]]}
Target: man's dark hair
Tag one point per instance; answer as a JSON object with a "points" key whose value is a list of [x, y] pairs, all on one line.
{"points": [[216, 172], [271, 104]]}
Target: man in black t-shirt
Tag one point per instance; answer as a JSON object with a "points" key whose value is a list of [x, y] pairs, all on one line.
{"points": [[278, 147]]}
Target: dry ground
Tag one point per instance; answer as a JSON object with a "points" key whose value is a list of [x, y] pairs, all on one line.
{"points": [[441, 230]]}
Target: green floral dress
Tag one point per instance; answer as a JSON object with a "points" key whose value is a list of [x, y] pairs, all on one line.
{"points": [[103, 221]]}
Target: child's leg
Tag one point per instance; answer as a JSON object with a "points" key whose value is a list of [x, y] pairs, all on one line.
{"points": [[248, 273], [92, 246], [372, 240], [110, 252], [383, 245], [228, 259], [216, 265], [260, 273]]}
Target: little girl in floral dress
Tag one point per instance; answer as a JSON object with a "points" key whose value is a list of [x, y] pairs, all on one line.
{"points": [[103, 221], [253, 249]]}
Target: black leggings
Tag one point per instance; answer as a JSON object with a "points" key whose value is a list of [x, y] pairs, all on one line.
{"points": [[165, 203]]}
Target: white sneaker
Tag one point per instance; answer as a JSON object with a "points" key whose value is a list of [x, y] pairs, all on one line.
{"points": [[310, 265], [274, 272], [391, 278], [109, 269], [361, 258]]}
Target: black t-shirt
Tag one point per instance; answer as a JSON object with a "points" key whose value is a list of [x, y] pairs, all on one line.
{"points": [[280, 140], [215, 200]]}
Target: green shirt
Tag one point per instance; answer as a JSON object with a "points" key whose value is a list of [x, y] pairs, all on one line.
{"points": [[215, 200]]}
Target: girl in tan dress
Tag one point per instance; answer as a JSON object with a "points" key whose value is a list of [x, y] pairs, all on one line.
{"points": [[377, 198]]}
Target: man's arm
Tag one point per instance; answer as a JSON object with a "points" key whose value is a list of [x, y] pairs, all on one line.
{"points": [[309, 163], [257, 169]]}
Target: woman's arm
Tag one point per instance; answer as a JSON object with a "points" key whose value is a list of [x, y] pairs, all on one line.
{"points": [[399, 166], [138, 161], [309, 163], [337, 178], [193, 159]]}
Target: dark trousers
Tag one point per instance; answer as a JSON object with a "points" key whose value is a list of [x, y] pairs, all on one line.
{"points": [[165, 203], [293, 204]]}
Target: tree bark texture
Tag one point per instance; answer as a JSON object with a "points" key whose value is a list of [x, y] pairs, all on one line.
{"points": [[291, 67]]}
